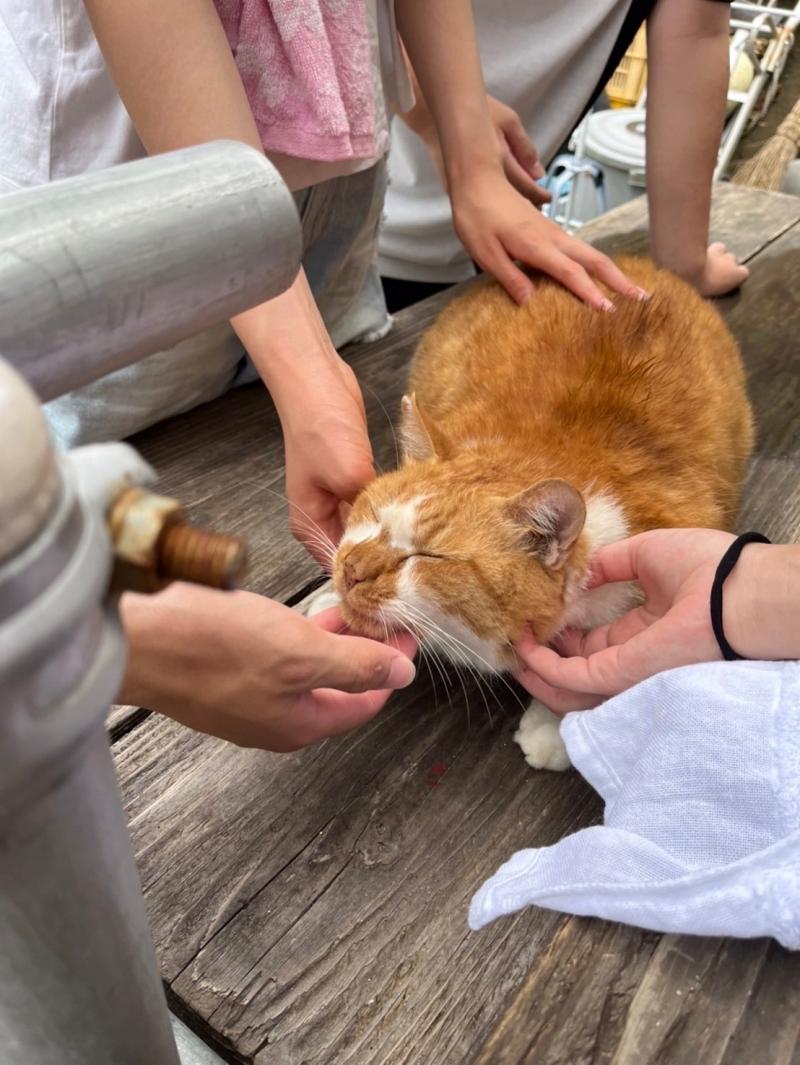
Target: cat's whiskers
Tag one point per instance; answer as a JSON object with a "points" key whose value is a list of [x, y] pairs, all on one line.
{"points": [[380, 402], [426, 656], [320, 537], [416, 630], [458, 659], [466, 652]]}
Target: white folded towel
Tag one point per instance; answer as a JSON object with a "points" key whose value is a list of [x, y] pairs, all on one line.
{"points": [[699, 769]]}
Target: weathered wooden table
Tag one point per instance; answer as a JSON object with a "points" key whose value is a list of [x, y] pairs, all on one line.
{"points": [[311, 908]]}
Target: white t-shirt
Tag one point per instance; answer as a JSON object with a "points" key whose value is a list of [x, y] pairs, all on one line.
{"points": [[542, 58], [60, 114]]}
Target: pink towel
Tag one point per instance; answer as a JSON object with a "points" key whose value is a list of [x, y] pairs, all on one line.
{"points": [[307, 69]]}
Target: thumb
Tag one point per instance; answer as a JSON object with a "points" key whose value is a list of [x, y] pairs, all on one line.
{"points": [[522, 147], [356, 664], [615, 562]]}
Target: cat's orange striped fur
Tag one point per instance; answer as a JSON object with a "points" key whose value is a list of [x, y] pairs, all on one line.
{"points": [[532, 436]]}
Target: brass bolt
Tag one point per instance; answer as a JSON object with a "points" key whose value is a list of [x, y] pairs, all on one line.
{"points": [[187, 553], [154, 544]]}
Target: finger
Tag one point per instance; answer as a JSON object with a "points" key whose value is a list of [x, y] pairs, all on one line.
{"points": [[572, 643], [346, 488], [616, 667], [600, 266], [403, 642], [522, 147], [356, 664], [330, 620], [555, 699], [616, 562], [576, 674], [559, 266], [324, 712], [496, 261], [523, 182]]}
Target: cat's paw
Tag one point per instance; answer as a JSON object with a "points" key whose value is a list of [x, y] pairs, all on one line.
{"points": [[323, 599], [539, 737]]}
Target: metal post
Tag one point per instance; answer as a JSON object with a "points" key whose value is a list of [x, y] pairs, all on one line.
{"points": [[116, 265], [100, 270]]}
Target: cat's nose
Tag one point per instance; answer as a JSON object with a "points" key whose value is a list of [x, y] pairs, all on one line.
{"points": [[352, 575]]}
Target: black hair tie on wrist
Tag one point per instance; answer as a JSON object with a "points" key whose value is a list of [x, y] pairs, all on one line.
{"points": [[726, 564]]}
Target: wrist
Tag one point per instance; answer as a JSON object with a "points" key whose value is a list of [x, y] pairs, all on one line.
{"points": [[468, 177], [760, 603], [139, 623], [688, 263]]}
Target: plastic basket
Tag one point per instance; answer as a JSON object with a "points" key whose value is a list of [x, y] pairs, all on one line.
{"points": [[628, 80]]}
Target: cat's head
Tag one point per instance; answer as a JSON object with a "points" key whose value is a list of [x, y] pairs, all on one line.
{"points": [[449, 546]]}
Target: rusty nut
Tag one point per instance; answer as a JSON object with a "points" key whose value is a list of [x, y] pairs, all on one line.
{"points": [[154, 545]]}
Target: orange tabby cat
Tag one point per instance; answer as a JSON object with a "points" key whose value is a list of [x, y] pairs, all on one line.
{"points": [[532, 436]]}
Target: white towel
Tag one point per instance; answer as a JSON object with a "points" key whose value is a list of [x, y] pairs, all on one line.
{"points": [[699, 769]]}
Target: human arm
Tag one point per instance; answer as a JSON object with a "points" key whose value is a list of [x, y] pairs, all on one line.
{"points": [[246, 669], [174, 70], [495, 223], [687, 81], [518, 153], [675, 569]]}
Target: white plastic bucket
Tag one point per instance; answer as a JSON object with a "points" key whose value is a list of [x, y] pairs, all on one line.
{"points": [[615, 141]]}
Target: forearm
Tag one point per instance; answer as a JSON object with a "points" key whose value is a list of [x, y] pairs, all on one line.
{"points": [[287, 340], [761, 602], [174, 70], [440, 40], [687, 43]]}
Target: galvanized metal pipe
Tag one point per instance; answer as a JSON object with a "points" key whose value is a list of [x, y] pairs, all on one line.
{"points": [[94, 274], [98, 271]]}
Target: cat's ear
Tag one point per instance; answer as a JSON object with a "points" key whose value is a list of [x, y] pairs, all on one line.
{"points": [[419, 437], [551, 515]]}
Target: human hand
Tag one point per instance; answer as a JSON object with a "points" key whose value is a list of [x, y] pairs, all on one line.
{"points": [[721, 273], [497, 225], [328, 456], [319, 403], [248, 670], [518, 153], [675, 569]]}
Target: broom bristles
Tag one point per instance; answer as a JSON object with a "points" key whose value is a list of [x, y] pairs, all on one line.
{"points": [[767, 168]]}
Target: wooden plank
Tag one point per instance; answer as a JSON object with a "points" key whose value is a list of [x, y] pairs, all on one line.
{"points": [[747, 220], [764, 317], [122, 717], [769, 1030], [255, 855], [311, 907], [559, 1014]]}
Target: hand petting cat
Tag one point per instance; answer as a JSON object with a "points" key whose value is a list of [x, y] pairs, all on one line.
{"points": [[675, 568], [489, 165], [497, 226], [253, 672]]}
